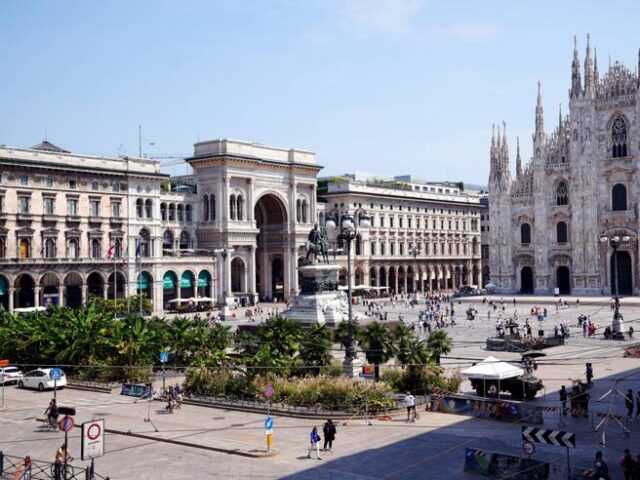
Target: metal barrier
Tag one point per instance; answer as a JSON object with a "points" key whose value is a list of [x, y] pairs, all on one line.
{"points": [[28, 468]]}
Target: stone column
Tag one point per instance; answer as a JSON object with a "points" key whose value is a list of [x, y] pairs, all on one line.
{"points": [[252, 273], [105, 290], [12, 291], [224, 201], [61, 295], [36, 293], [250, 195], [405, 281], [312, 205], [84, 292], [227, 277]]}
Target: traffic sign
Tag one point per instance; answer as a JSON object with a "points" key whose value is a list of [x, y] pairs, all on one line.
{"points": [[55, 374], [164, 357], [528, 448], [268, 390], [559, 438], [66, 424], [92, 439], [268, 423]]}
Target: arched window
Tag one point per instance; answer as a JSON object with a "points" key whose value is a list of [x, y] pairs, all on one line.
{"points": [[232, 207], [118, 248], [145, 243], [172, 212], [212, 208], [618, 138], [24, 248], [167, 243], [148, 208], [525, 234], [187, 214], [298, 211], [619, 197], [562, 193], [72, 248], [3, 247], [205, 208], [180, 212], [49, 248], [163, 211], [562, 235], [240, 207], [358, 245], [139, 208], [304, 211], [185, 241], [95, 248]]}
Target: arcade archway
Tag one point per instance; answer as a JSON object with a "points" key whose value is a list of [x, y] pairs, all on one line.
{"points": [[25, 291], [73, 290], [271, 220]]}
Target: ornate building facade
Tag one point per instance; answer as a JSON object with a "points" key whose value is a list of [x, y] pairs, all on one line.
{"points": [[580, 184], [423, 237]]}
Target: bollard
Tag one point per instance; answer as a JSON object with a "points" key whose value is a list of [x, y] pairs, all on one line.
{"points": [[1, 462]]}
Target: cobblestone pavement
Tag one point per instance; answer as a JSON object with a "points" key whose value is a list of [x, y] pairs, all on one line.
{"points": [[433, 447]]}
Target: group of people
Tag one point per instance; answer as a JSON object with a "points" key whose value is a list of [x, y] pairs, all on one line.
{"points": [[329, 431], [578, 399], [174, 398]]}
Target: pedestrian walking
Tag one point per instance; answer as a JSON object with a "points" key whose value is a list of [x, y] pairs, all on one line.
{"points": [[600, 468], [314, 445], [563, 399], [589, 373], [628, 402], [329, 430], [410, 401], [628, 465]]}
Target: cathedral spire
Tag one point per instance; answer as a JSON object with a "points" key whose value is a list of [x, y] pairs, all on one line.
{"points": [[639, 67], [576, 83], [539, 113], [560, 118], [588, 70], [518, 159], [596, 75]]}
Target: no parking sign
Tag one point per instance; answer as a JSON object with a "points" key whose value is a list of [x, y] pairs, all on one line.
{"points": [[92, 439]]}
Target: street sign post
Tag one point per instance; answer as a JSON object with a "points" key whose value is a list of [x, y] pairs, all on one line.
{"points": [[559, 438], [268, 431], [66, 424], [164, 358], [55, 374], [92, 439]]}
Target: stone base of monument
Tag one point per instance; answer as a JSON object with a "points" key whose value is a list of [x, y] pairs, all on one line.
{"points": [[320, 302], [352, 368]]}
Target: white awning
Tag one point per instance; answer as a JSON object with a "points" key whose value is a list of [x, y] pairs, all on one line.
{"points": [[492, 369]]}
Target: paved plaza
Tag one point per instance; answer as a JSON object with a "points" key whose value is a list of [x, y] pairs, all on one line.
{"points": [[384, 449]]}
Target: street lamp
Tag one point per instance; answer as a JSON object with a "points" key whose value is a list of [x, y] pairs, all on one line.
{"points": [[615, 241], [345, 227]]}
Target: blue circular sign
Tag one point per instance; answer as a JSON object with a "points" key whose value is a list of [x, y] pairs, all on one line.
{"points": [[55, 374]]}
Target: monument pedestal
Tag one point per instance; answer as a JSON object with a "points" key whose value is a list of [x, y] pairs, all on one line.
{"points": [[320, 302], [352, 368]]}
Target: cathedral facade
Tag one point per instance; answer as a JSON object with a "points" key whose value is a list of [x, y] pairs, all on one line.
{"points": [[581, 185]]}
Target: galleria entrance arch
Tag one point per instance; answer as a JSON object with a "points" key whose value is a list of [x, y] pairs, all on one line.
{"points": [[271, 241]]}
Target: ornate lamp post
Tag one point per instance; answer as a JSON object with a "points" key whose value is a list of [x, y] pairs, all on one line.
{"points": [[345, 227], [615, 241]]}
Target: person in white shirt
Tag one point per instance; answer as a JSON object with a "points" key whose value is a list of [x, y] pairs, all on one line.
{"points": [[410, 401]]}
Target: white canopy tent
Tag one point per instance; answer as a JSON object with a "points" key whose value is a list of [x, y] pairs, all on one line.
{"points": [[492, 368]]}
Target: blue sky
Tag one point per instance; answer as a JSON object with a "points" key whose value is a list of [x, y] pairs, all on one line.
{"points": [[380, 86]]}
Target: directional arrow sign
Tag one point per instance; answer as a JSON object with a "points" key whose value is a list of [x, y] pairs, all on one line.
{"points": [[559, 438]]}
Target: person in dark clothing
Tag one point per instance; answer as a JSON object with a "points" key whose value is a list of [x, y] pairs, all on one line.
{"points": [[600, 468], [638, 407], [329, 430], [589, 373], [628, 465], [628, 402], [563, 399]]}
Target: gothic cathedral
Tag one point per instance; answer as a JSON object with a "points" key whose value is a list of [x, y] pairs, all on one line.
{"points": [[548, 225]]}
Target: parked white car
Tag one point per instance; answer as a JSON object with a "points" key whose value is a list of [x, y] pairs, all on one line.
{"points": [[40, 378], [10, 375]]}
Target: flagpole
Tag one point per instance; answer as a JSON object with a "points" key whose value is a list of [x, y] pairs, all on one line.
{"points": [[115, 285]]}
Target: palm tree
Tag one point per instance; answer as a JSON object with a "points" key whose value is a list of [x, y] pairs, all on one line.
{"points": [[315, 351], [440, 344], [379, 346]]}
